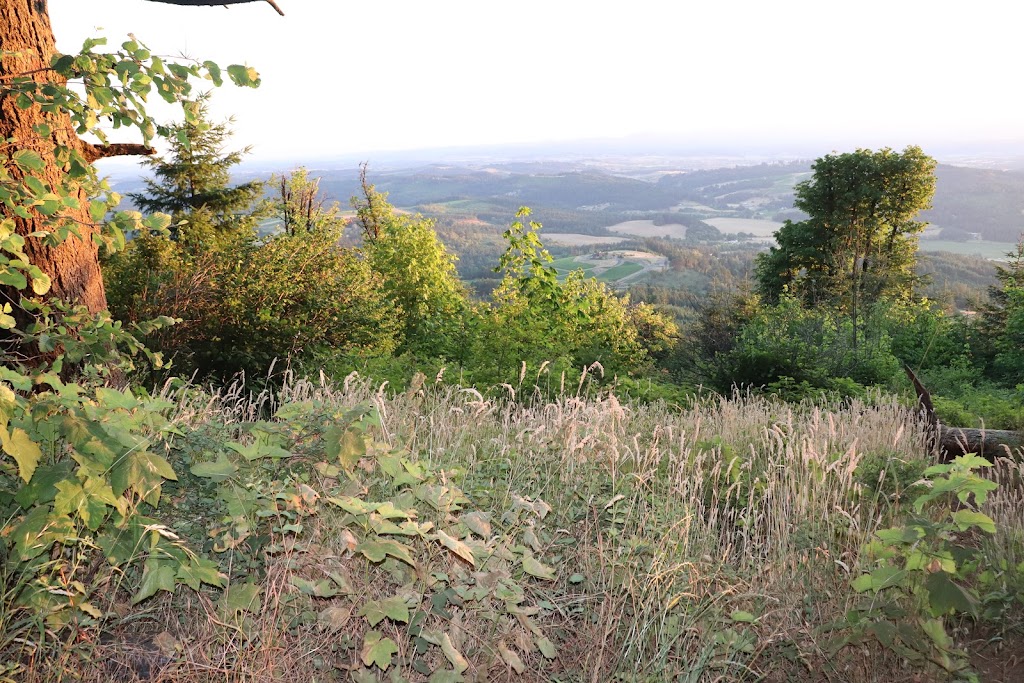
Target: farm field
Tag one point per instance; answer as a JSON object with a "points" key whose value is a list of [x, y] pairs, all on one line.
{"points": [[612, 266], [649, 229], [983, 248], [755, 226], [572, 239]]}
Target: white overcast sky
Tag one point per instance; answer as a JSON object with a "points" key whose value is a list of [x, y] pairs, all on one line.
{"points": [[353, 76]]}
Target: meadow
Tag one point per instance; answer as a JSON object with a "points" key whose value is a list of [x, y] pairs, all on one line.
{"points": [[440, 534]]}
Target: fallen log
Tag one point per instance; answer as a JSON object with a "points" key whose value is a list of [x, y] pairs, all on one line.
{"points": [[951, 442]]}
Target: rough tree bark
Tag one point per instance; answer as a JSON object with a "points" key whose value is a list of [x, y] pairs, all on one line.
{"points": [[27, 42], [951, 442]]}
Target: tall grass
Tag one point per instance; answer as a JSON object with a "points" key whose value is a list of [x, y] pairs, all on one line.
{"points": [[710, 542]]}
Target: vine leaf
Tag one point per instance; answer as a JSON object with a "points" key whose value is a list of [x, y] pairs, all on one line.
{"points": [[377, 650], [23, 449]]}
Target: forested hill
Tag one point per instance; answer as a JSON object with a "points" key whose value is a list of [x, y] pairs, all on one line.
{"points": [[981, 201], [968, 203]]}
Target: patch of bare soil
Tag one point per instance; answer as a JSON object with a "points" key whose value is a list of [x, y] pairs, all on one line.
{"points": [[999, 658]]}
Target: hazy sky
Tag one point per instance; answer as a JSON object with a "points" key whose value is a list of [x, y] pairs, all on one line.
{"points": [[351, 76]]}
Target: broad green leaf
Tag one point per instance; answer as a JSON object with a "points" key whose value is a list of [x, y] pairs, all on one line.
{"points": [[242, 597], [155, 577], [142, 472], [112, 398], [43, 486], [965, 519], [41, 283], [213, 70], [743, 617], [346, 445], [351, 505], [219, 470], [28, 160], [884, 631], [243, 75], [121, 545], [90, 502], [13, 278], [946, 596], [377, 650], [377, 550], [199, 571], [882, 578], [445, 676], [38, 531], [23, 449], [393, 608], [388, 510], [457, 547], [534, 568], [320, 589]]}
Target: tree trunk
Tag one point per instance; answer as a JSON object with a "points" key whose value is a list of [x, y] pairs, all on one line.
{"points": [[988, 443], [73, 266], [951, 442]]}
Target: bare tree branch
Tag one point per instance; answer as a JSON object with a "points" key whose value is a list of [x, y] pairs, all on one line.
{"points": [[197, 3], [117, 149]]}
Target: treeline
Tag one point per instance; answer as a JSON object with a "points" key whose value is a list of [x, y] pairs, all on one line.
{"points": [[388, 303]]}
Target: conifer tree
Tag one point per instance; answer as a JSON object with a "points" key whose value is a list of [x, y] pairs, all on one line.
{"points": [[193, 183]]}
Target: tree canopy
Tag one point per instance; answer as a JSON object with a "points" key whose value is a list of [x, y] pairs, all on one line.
{"points": [[860, 240]]}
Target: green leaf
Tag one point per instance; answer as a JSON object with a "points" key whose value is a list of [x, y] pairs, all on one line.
{"points": [[214, 72], [142, 472], [43, 486], [445, 676], [346, 445], [243, 75], [862, 583], [320, 589], [156, 577], [28, 160], [946, 596], [884, 631], [377, 650], [243, 597], [744, 617], [199, 571], [41, 283], [219, 470], [534, 568], [38, 531], [387, 510], [23, 449], [351, 505], [394, 608], [112, 398], [376, 551], [965, 519]]}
